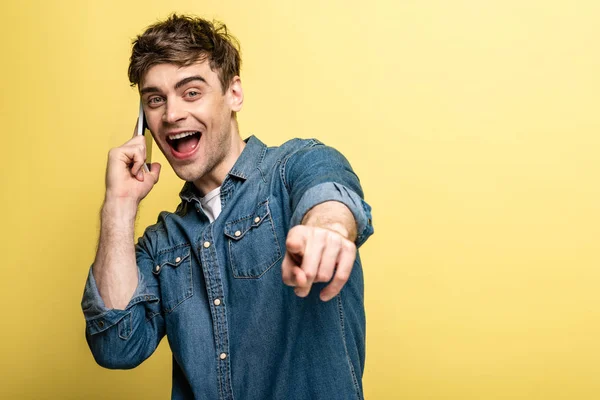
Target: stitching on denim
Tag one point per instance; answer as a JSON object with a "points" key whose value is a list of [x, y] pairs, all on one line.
{"points": [[209, 277], [99, 316], [278, 248], [151, 316], [261, 158], [92, 325], [141, 297], [352, 372], [219, 375], [265, 202], [189, 292], [127, 334], [176, 247], [173, 264], [308, 143]]}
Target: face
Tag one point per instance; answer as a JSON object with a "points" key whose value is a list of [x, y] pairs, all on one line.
{"points": [[192, 120]]}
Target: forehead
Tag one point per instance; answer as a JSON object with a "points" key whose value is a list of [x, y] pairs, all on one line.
{"points": [[165, 76]]}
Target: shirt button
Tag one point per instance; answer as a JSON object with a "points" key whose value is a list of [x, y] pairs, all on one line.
{"points": [[178, 259], [217, 302], [256, 220], [237, 233], [206, 245], [223, 356], [157, 268], [101, 325]]}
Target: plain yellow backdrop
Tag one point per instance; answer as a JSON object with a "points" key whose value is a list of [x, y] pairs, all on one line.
{"points": [[472, 124]]}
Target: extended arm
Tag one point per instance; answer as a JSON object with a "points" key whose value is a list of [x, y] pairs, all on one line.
{"points": [[330, 219]]}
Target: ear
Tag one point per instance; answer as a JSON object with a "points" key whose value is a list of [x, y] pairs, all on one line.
{"points": [[235, 93]]}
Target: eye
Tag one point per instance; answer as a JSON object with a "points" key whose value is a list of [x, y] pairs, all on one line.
{"points": [[192, 94], [155, 100]]}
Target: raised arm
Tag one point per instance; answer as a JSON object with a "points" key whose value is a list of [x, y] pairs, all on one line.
{"points": [[115, 268], [118, 298]]}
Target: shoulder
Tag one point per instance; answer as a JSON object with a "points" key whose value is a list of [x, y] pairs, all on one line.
{"points": [[291, 147], [302, 153]]}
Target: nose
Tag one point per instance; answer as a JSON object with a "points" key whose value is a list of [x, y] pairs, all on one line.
{"points": [[174, 112]]}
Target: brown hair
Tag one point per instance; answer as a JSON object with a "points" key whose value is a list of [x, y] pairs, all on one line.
{"points": [[184, 40]]}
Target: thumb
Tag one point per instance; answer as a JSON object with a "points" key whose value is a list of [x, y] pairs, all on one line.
{"points": [[155, 171]]}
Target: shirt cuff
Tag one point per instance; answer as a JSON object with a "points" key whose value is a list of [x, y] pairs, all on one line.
{"points": [[100, 318], [332, 191]]}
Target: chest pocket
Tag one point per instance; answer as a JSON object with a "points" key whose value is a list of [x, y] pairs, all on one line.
{"points": [[174, 270], [252, 243]]}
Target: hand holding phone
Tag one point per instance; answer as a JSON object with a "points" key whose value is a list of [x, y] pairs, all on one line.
{"points": [[127, 174]]}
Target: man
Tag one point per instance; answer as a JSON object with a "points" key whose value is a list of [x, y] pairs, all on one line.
{"points": [[216, 276]]}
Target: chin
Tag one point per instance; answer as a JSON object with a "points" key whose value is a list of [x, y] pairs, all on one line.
{"points": [[187, 173], [188, 177]]}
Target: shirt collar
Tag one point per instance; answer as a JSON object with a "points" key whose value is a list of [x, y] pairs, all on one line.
{"points": [[247, 162]]}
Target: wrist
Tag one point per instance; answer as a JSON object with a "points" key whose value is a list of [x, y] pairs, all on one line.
{"points": [[327, 223], [119, 208], [337, 228]]}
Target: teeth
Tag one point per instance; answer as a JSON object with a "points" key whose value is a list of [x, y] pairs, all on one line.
{"points": [[181, 135]]}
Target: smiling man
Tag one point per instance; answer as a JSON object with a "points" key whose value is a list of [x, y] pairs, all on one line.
{"points": [[255, 279]]}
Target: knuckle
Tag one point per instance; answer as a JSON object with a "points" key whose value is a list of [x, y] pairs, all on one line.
{"points": [[342, 276], [322, 233], [323, 276], [310, 275], [335, 239], [350, 246]]}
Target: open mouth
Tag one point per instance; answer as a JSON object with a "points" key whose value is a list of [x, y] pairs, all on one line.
{"points": [[184, 143]]}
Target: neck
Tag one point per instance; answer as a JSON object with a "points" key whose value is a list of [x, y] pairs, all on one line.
{"points": [[215, 178]]}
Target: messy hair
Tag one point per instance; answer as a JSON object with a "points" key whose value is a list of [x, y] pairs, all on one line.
{"points": [[184, 40]]}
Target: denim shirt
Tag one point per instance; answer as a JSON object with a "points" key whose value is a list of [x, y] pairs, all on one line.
{"points": [[215, 289]]}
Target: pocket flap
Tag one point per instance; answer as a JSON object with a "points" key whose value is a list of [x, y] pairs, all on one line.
{"points": [[172, 258], [237, 229]]}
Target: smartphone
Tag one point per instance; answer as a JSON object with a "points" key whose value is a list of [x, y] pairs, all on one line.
{"points": [[142, 127]]}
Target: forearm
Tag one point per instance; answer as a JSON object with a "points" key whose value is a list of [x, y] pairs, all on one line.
{"points": [[115, 267], [334, 216]]}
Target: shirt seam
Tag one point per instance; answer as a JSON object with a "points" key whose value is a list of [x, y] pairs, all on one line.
{"points": [[308, 144], [348, 359]]}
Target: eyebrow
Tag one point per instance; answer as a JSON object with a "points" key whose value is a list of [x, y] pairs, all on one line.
{"points": [[184, 81]]}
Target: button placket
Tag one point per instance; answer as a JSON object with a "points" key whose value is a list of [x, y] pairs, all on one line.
{"points": [[214, 287]]}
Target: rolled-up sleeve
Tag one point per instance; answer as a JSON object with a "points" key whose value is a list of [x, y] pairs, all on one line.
{"points": [[122, 339], [317, 174]]}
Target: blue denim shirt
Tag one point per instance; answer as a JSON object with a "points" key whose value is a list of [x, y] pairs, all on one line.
{"points": [[235, 330]]}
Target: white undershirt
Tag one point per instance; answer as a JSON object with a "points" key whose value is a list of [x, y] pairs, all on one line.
{"points": [[211, 204]]}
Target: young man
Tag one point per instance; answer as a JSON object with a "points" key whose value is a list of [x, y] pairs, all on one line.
{"points": [[255, 278]]}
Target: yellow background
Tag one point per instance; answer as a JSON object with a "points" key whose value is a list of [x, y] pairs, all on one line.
{"points": [[472, 124]]}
